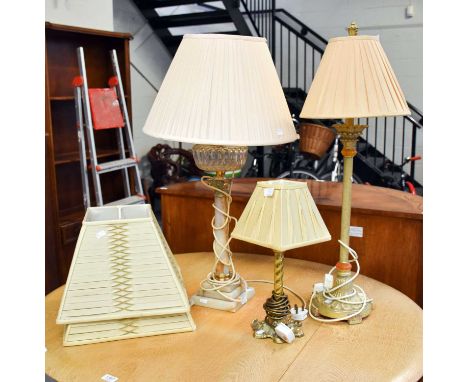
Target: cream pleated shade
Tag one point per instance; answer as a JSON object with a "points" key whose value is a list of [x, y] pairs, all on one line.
{"points": [[354, 80], [281, 215], [223, 90]]}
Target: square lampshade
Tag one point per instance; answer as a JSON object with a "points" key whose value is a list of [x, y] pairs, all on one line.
{"points": [[354, 80], [281, 215], [221, 90]]}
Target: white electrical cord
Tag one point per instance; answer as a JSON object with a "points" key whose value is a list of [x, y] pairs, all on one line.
{"points": [[327, 293], [217, 285], [284, 286]]}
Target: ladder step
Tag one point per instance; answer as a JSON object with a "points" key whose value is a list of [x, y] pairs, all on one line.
{"points": [[115, 165], [134, 199]]}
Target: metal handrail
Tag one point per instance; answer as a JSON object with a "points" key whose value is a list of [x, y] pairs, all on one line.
{"points": [[286, 52]]}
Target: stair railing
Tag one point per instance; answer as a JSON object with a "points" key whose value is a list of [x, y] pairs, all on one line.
{"points": [[297, 50]]}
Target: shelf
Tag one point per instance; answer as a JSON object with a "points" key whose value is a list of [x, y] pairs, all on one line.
{"points": [[68, 98], [71, 216], [62, 98], [74, 157]]}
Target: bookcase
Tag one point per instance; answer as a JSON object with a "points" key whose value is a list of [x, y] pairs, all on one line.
{"points": [[63, 189]]}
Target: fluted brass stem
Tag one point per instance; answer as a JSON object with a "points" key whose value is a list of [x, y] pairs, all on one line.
{"points": [[278, 280]]}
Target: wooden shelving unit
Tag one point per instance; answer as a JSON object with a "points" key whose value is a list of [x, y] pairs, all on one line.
{"points": [[64, 197]]}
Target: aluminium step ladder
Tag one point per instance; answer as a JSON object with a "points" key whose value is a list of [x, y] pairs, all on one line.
{"points": [[105, 108]]}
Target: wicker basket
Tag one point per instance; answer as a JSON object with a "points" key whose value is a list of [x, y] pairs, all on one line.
{"points": [[315, 139]]}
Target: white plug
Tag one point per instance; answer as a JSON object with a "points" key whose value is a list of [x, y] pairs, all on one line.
{"points": [[300, 314], [285, 333], [328, 281]]}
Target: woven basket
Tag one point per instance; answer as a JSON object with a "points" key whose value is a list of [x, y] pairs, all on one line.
{"points": [[315, 139]]}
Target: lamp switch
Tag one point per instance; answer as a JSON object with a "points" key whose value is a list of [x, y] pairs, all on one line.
{"points": [[285, 333]]}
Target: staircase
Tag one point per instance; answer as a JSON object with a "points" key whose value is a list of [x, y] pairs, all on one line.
{"points": [[296, 50]]}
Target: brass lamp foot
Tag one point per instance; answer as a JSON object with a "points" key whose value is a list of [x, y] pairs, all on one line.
{"points": [[277, 311], [323, 306]]}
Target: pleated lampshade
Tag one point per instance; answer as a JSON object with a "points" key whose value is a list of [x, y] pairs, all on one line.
{"points": [[221, 90], [354, 80], [281, 215]]}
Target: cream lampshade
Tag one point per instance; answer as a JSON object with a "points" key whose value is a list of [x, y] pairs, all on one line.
{"points": [[280, 215], [222, 93], [221, 90], [354, 80]]}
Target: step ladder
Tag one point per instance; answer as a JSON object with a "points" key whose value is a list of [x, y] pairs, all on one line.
{"points": [[105, 108]]}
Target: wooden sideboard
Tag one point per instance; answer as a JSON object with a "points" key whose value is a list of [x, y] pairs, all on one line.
{"points": [[389, 251]]}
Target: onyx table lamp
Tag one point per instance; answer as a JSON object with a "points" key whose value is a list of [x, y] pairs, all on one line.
{"points": [[280, 215], [354, 80], [222, 94]]}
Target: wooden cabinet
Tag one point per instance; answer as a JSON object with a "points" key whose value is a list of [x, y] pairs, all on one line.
{"points": [[63, 189]]}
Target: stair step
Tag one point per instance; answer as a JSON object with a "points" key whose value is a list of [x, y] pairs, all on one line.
{"points": [[115, 165], [175, 40], [134, 199], [151, 4], [188, 19]]}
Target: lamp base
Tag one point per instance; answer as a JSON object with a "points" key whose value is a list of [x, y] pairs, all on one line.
{"points": [[277, 311], [322, 306], [214, 300], [261, 329]]}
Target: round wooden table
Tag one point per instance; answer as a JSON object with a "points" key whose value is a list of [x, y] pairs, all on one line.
{"points": [[387, 346]]}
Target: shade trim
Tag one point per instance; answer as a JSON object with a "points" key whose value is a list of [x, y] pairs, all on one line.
{"points": [[221, 142], [347, 38], [279, 248], [224, 36]]}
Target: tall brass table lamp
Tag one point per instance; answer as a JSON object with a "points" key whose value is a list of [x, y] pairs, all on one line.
{"points": [[280, 215], [222, 93], [354, 80]]}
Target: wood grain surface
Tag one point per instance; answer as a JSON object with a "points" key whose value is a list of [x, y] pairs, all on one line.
{"points": [[390, 250], [387, 346]]}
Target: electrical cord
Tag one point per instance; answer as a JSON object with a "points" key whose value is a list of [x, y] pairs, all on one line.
{"points": [[217, 285], [284, 286], [327, 293]]}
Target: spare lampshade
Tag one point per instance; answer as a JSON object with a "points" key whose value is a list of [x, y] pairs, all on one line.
{"points": [[281, 215], [221, 90], [354, 80]]}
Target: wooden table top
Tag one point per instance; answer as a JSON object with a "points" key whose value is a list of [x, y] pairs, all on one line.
{"points": [[386, 346], [327, 195]]}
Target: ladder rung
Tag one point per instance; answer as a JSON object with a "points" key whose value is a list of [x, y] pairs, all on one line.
{"points": [[115, 165], [134, 199]]}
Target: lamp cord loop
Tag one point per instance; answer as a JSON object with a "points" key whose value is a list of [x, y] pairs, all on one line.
{"points": [[343, 299], [235, 278]]}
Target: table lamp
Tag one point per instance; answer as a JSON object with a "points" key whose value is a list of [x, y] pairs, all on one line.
{"points": [[280, 215], [354, 80], [221, 93]]}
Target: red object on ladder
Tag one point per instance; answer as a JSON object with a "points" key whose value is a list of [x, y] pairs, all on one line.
{"points": [[99, 109], [105, 109]]}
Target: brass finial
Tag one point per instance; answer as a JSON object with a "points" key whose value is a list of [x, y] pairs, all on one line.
{"points": [[353, 29]]}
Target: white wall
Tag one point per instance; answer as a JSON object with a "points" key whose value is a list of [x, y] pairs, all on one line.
{"points": [[149, 63], [94, 14]]}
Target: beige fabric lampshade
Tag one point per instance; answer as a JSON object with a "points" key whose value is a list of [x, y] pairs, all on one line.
{"points": [[354, 80], [281, 215], [223, 90]]}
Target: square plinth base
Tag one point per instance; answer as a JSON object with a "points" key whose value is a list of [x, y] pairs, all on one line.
{"points": [[214, 300]]}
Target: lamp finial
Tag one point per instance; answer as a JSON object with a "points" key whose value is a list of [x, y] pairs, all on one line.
{"points": [[353, 29]]}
